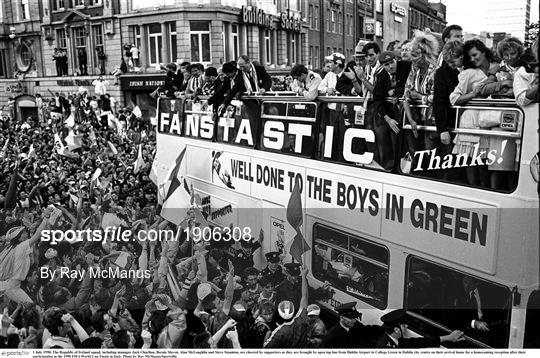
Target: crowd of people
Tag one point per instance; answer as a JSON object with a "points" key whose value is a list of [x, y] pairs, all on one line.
{"points": [[84, 164]]}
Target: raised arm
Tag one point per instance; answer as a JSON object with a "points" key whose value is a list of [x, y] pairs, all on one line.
{"points": [[229, 290]]}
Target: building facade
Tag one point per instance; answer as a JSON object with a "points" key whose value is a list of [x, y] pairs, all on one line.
{"points": [[396, 21], [510, 16], [424, 14], [91, 37]]}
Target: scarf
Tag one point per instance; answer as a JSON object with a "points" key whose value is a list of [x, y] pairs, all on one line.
{"points": [[253, 76]]}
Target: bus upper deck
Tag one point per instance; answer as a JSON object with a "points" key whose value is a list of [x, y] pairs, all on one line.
{"points": [[375, 229]]}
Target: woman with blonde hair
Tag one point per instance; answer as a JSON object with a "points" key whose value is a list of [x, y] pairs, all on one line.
{"points": [[419, 87]]}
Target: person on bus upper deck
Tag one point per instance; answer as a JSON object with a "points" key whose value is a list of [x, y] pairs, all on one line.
{"points": [[306, 82], [225, 85], [419, 87], [395, 324], [391, 83], [195, 82], [251, 79], [336, 63], [446, 79], [479, 63], [526, 77], [273, 269], [349, 332], [289, 288], [450, 33]]}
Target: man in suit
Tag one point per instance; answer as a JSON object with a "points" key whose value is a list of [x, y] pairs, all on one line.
{"points": [[395, 325], [290, 288], [349, 332], [469, 313], [251, 79], [390, 83]]}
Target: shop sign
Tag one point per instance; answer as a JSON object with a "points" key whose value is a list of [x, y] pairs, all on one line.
{"points": [[291, 22], [398, 10], [253, 16], [71, 83], [142, 83], [369, 27], [16, 88]]}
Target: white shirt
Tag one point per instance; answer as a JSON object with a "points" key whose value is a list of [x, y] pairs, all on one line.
{"points": [[134, 52], [100, 87], [522, 81]]}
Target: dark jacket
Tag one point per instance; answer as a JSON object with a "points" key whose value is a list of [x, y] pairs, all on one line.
{"points": [[173, 83], [263, 78], [384, 85], [221, 89], [445, 81], [421, 342], [359, 336]]}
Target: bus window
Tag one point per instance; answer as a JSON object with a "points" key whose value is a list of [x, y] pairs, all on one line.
{"points": [[442, 299], [532, 338], [351, 264], [484, 152], [289, 127]]}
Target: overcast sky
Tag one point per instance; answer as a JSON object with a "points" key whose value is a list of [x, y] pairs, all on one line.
{"points": [[469, 14]]}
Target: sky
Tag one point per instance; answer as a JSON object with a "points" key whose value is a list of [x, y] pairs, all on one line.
{"points": [[469, 14]]}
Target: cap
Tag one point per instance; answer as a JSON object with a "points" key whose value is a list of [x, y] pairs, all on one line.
{"points": [[358, 50], [386, 57], [348, 310], [203, 290], [313, 310], [293, 268], [286, 309], [239, 306], [394, 318], [336, 57], [273, 256]]}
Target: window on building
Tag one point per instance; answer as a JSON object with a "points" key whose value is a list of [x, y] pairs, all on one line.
{"points": [[172, 40], [79, 36], [155, 43], [3, 70], [199, 33], [378, 28], [379, 5], [316, 63], [61, 41], [267, 47], [235, 41], [310, 62], [340, 23], [328, 51], [328, 21], [316, 18], [78, 2], [99, 42], [333, 20], [137, 35], [59, 4], [25, 10], [293, 54], [310, 16]]}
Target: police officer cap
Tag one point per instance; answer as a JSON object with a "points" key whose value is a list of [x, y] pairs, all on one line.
{"points": [[247, 244], [272, 256], [386, 57], [293, 268], [394, 318], [348, 310]]}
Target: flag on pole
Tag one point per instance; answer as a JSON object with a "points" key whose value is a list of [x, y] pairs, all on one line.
{"points": [[73, 141], [294, 207], [112, 148], [70, 121], [137, 112], [62, 149], [139, 162], [176, 201], [294, 217]]}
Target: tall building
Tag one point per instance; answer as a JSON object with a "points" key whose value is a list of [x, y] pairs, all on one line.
{"points": [[423, 14], [510, 16], [396, 21]]}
